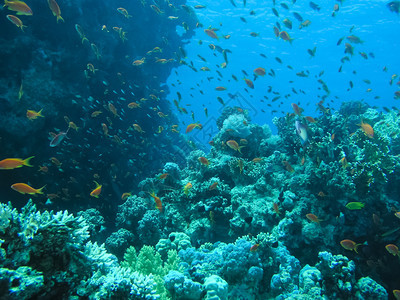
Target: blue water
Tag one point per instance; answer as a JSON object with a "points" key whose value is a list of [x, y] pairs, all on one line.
{"points": [[371, 21]]}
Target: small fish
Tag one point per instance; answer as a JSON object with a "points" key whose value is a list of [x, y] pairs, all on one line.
{"points": [[17, 22], [156, 9], [55, 9], [23, 188], [287, 23], [234, 145], [276, 208], [298, 16], [13, 163], [213, 186], [254, 247], [306, 23], [259, 71], [396, 293], [96, 191], [211, 33], [367, 129], [192, 126], [313, 218], [32, 115], [288, 166], [285, 36], [124, 12], [249, 83], [220, 88], [349, 245], [204, 161], [314, 6], [354, 39], [393, 249], [57, 139], [125, 196], [355, 205], [297, 110], [276, 31], [187, 188], [301, 130], [19, 6], [157, 201]]}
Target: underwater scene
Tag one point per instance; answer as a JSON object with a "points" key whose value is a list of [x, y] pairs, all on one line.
{"points": [[198, 149]]}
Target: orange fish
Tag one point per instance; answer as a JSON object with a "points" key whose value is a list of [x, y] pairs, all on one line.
{"points": [[349, 245], [220, 88], [187, 187], [310, 119], [211, 33], [23, 188], [288, 166], [204, 161], [249, 83], [213, 186], [254, 247], [285, 36], [367, 129], [32, 115], [192, 126], [313, 218], [125, 195], [19, 6], [393, 249], [234, 145], [259, 71], [157, 201], [13, 163], [96, 192], [55, 9], [276, 208], [297, 110], [16, 21], [163, 176]]}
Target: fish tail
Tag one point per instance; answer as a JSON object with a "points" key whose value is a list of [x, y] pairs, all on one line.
{"points": [[240, 148], [97, 184], [25, 162], [39, 191], [40, 113], [60, 18], [356, 247]]}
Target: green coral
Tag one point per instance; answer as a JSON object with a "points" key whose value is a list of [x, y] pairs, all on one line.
{"points": [[150, 262]]}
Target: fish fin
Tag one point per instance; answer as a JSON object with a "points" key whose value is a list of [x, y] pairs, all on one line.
{"points": [[39, 191], [239, 149], [60, 18], [25, 162]]}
